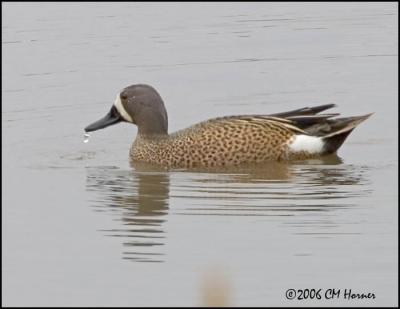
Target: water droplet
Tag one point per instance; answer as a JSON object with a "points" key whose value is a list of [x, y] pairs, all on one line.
{"points": [[86, 137]]}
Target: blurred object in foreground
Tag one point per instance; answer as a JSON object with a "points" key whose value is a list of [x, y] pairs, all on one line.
{"points": [[216, 288]]}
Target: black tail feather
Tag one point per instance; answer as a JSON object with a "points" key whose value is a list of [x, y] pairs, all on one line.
{"points": [[333, 143], [304, 111], [339, 129]]}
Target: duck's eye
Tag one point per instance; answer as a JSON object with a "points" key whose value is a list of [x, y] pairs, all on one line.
{"points": [[124, 96]]}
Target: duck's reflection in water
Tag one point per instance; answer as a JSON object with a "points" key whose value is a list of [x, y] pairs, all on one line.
{"points": [[140, 200], [276, 189], [310, 192]]}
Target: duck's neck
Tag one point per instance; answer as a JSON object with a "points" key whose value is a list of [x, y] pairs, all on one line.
{"points": [[146, 132], [151, 137], [153, 124]]}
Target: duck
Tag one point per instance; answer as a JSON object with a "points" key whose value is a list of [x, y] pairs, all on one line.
{"points": [[225, 141]]}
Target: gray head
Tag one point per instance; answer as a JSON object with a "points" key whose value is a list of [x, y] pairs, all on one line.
{"points": [[138, 104]]}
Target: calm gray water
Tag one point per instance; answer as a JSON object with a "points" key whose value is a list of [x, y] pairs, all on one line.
{"points": [[82, 227]]}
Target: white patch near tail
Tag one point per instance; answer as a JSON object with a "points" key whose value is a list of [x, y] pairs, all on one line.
{"points": [[121, 109], [310, 144]]}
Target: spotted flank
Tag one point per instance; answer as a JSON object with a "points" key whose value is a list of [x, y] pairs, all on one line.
{"points": [[225, 141]]}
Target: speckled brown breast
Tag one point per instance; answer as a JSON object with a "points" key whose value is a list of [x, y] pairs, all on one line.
{"points": [[224, 141]]}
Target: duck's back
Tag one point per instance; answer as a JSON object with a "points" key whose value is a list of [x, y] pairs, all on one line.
{"points": [[219, 142]]}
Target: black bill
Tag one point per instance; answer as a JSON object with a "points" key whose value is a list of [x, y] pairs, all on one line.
{"points": [[111, 118]]}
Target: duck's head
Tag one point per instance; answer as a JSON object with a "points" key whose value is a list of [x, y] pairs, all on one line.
{"points": [[138, 104]]}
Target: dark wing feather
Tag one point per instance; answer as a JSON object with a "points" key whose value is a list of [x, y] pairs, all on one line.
{"points": [[304, 111]]}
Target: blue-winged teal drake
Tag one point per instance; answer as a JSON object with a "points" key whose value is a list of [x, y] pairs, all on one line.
{"points": [[225, 141]]}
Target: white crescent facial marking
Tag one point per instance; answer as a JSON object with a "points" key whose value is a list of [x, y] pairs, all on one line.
{"points": [[121, 109], [310, 144]]}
